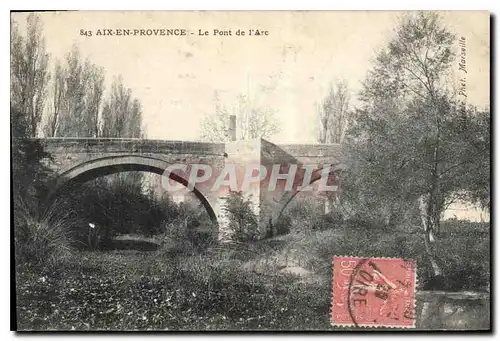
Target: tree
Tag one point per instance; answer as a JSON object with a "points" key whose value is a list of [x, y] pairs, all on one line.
{"points": [[76, 82], [29, 74], [253, 121], [333, 114], [473, 158], [408, 144], [77, 93], [28, 172], [241, 217], [122, 118], [93, 99], [333, 117], [58, 100], [122, 115]]}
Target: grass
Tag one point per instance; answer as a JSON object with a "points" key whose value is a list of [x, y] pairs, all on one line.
{"points": [[240, 286], [132, 290], [462, 249], [42, 242]]}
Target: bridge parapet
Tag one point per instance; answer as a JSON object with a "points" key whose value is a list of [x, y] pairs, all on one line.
{"points": [[314, 153], [117, 145]]}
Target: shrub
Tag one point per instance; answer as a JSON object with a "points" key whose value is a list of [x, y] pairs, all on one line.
{"points": [[40, 242], [117, 206], [326, 221], [307, 214], [203, 238], [283, 225], [198, 229], [242, 219], [304, 208], [29, 174], [182, 236], [175, 239]]}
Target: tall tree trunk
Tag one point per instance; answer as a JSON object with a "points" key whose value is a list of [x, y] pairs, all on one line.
{"points": [[428, 226], [433, 209]]}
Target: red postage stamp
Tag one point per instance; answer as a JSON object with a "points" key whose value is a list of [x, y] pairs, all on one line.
{"points": [[373, 292]]}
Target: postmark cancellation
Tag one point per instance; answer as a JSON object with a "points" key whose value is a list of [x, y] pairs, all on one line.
{"points": [[373, 292]]}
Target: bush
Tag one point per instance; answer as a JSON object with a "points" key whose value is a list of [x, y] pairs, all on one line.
{"points": [[175, 239], [242, 220], [29, 174], [116, 206], [463, 250], [190, 232], [283, 225], [303, 208], [327, 221], [203, 238], [307, 214], [39, 242]]}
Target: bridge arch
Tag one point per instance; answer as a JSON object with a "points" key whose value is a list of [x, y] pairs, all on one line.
{"points": [[95, 168], [288, 196]]}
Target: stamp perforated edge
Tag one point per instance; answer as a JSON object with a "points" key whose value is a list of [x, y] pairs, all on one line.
{"points": [[371, 326]]}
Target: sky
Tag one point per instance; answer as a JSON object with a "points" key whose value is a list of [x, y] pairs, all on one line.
{"points": [[289, 70]]}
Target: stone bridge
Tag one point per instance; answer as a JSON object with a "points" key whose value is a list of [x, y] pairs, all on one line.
{"points": [[83, 159]]}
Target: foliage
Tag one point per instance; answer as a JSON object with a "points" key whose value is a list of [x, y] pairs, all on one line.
{"points": [[212, 290], [391, 148], [121, 114], [283, 225], [75, 111], [303, 207], [29, 175], [190, 231], [201, 230], [409, 143], [334, 114], [36, 241], [307, 213], [78, 107], [29, 74], [475, 176], [463, 248], [43, 242], [122, 117], [105, 208], [149, 292], [242, 219], [115, 208], [77, 92]]}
